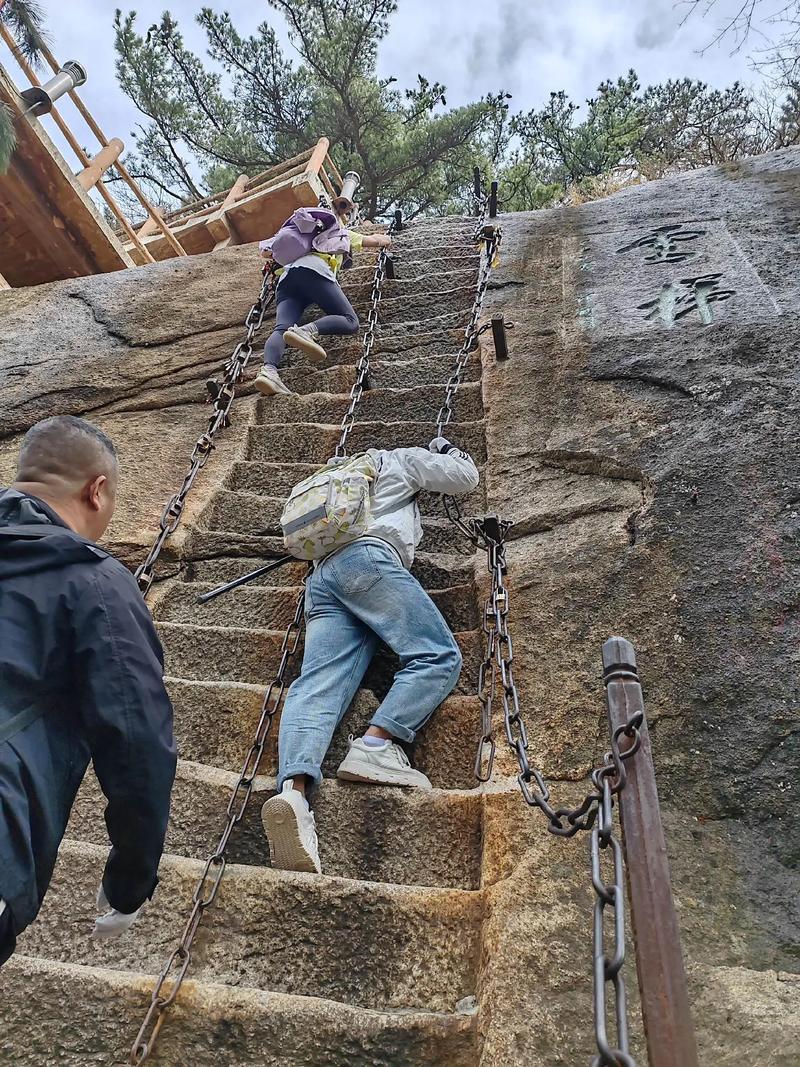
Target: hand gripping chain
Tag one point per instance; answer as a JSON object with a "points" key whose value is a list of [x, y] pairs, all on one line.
{"points": [[220, 418], [205, 893]]}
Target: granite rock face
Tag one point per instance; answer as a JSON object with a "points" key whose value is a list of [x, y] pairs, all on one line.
{"points": [[643, 438]]}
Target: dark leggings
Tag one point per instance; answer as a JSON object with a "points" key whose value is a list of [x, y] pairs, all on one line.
{"points": [[8, 941], [298, 289]]}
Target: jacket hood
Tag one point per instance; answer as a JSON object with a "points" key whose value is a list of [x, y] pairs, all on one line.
{"points": [[34, 538]]}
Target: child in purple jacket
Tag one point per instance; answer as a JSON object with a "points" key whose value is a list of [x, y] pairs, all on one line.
{"points": [[311, 279]]}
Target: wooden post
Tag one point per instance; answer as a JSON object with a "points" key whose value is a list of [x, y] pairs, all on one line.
{"points": [[151, 209], [27, 70], [318, 156], [657, 938], [91, 175], [216, 224]]}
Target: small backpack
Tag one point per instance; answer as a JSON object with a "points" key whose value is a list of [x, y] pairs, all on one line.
{"points": [[330, 508], [307, 230]]}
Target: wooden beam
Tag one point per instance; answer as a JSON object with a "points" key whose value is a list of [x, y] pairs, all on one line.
{"points": [[91, 175], [3, 283], [151, 209], [217, 224], [116, 210], [318, 155]]}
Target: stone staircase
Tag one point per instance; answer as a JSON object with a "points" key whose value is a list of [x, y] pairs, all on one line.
{"points": [[377, 961]]}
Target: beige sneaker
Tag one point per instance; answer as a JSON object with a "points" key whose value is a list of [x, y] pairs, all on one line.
{"points": [[268, 382], [291, 831], [305, 338], [384, 765]]}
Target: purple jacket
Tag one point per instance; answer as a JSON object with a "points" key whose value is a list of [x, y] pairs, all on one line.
{"points": [[310, 229]]}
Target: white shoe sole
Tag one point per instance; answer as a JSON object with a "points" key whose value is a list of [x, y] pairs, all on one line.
{"points": [[357, 770], [314, 351], [268, 388], [286, 851]]}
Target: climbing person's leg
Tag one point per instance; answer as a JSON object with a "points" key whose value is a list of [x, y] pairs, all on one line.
{"points": [[289, 308], [338, 650], [339, 317], [369, 580]]}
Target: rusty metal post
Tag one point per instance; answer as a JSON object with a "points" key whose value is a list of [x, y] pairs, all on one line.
{"points": [[493, 201], [659, 958]]}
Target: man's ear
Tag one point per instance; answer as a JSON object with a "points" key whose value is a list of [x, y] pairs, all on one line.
{"points": [[93, 492]]}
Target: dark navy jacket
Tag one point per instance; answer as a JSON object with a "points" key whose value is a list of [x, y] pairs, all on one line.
{"points": [[80, 680]]}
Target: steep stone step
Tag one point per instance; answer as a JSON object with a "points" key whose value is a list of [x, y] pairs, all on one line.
{"points": [[274, 608], [418, 404], [215, 723], [232, 529], [73, 1016], [427, 370], [411, 285], [218, 653], [427, 303], [375, 833], [314, 443], [370, 944], [433, 570], [276, 480]]}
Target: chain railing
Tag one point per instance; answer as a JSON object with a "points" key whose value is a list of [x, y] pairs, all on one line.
{"points": [[223, 399], [595, 812], [362, 368], [177, 966]]}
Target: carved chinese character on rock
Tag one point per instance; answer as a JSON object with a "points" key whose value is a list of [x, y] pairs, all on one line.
{"points": [[666, 244], [680, 298]]}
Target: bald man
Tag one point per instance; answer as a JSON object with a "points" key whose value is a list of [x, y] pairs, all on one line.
{"points": [[80, 679]]}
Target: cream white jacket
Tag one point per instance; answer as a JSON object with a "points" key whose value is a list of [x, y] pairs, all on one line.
{"points": [[404, 472]]}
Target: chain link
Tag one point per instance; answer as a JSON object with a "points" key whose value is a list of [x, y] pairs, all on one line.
{"points": [[234, 368], [207, 888], [362, 368], [594, 813]]}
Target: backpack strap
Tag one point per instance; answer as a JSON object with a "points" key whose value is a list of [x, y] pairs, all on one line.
{"points": [[17, 723]]}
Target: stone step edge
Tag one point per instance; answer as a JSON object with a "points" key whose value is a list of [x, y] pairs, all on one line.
{"points": [[210, 996], [260, 630], [192, 869]]}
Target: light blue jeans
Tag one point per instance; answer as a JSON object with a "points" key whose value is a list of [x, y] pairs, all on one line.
{"points": [[355, 599]]}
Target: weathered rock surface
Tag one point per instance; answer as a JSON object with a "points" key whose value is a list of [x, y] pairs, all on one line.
{"points": [[643, 438]]}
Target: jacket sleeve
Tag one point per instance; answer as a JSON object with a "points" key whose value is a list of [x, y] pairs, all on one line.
{"points": [[128, 720], [454, 473]]}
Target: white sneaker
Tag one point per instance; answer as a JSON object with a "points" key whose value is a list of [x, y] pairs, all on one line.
{"points": [[305, 338], [268, 381], [387, 765], [291, 831]]}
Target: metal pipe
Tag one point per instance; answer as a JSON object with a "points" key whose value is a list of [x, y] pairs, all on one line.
{"points": [[476, 184], [659, 959], [226, 588], [42, 97], [493, 201], [499, 337], [398, 221]]}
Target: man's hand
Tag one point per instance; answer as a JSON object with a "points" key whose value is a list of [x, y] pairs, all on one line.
{"points": [[114, 922], [266, 253], [440, 445]]}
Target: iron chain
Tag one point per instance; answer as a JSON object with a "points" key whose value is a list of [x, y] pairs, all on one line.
{"points": [[362, 368], [207, 888], [594, 813], [234, 368]]}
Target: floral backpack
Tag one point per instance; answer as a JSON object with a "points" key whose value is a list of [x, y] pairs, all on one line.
{"points": [[330, 508]]}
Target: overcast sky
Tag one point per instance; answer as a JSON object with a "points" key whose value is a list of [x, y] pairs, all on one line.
{"points": [[527, 48]]}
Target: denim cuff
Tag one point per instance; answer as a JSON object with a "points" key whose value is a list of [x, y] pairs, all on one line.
{"points": [[395, 728], [310, 769]]}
